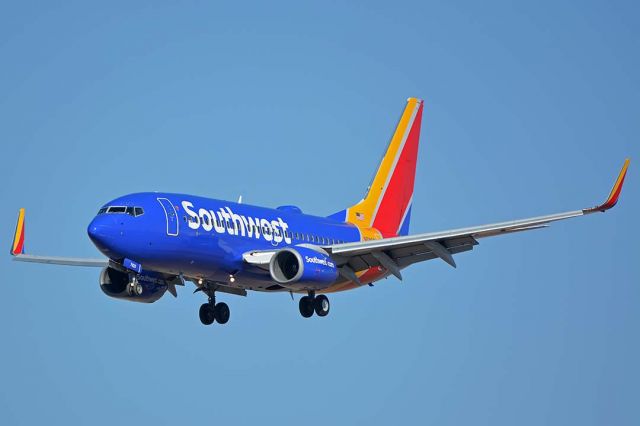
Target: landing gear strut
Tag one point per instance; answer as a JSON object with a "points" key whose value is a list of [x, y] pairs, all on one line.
{"points": [[312, 303], [134, 288], [212, 311]]}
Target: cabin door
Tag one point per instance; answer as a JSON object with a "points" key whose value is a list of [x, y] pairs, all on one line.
{"points": [[171, 215]]}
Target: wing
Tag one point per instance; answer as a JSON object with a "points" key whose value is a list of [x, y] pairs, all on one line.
{"points": [[393, 254], [17, 251]]}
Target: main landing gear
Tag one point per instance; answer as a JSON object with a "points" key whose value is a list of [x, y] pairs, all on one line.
{"points": [[212, 311], [312, 303]]}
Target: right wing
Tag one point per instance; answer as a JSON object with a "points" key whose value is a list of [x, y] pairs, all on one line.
{"points": [[396, 253], [17, 251]]}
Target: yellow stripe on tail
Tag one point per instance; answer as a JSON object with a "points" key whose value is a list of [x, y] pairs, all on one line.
{"points": [[387, 202]]}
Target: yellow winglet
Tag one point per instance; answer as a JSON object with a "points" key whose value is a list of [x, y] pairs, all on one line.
{"points": [[615, 191], [18, 238]]}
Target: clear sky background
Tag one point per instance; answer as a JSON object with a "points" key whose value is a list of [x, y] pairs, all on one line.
{"points": [[530, 109]]}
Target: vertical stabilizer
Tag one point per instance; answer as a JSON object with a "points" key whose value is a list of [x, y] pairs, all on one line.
{"points": [[387, 204]]}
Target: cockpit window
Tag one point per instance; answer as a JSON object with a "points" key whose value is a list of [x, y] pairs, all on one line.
{"points": [[133, 211]]}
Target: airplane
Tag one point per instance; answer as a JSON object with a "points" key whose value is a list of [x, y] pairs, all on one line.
{"points": [[155, 241]]}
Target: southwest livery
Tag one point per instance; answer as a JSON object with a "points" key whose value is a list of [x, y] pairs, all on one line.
{"points": [[154, 241]]}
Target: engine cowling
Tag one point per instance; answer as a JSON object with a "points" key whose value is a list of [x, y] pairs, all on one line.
{"points": [[302, 268], [144, 288]]}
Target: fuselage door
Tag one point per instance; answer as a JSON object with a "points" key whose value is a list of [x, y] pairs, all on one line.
{"points": [[171, 215]]}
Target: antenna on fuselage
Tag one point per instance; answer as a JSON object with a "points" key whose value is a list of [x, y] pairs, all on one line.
{"points": [[240, 199]]}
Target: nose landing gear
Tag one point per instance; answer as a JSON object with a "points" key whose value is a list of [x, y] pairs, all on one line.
{"points": [[312, 303], [134, 288]]}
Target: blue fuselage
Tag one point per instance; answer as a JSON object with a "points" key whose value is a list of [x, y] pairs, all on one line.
{"points": [[206, 238]]}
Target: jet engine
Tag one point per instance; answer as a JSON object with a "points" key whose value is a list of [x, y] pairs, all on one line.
{"points": [[143, 288], [302, 268]]}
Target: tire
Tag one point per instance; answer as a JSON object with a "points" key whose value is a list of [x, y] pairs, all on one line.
{"points": [[207, 315], [321, 305], [306, 306], [222, 313]]}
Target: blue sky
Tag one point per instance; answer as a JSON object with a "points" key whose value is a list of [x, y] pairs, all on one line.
{"points": [[530, 109]]}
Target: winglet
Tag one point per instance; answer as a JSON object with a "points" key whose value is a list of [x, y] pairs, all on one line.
{"points": [[615, 192], [18, 238]]}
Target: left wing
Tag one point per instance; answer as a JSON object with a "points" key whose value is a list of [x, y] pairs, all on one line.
{"points": [[396, 253], [17, 251]]}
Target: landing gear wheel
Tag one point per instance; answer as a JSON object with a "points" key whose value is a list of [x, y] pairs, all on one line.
{"points": [[207, 314], [222, 313], [321, 305], [306, 306]]}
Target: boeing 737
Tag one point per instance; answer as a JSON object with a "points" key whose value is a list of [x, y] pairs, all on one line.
{"points": [[154, 241]]}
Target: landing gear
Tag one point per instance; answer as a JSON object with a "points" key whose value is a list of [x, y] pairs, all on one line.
{"points": [[222, 313], [207, 314], [312, 303], [306, 306], [212, 311], [134, 288], [321, 305]]}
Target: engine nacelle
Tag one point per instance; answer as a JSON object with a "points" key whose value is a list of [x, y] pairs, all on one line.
{"points": [[144, 288], [302, 268]]}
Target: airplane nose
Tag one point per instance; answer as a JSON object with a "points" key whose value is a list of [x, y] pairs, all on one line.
{"points": [[101, 232]]}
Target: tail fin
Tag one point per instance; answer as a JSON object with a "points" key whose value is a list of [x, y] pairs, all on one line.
{"points": [[387, 204]]}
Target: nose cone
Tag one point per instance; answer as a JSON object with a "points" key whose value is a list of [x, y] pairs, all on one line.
{"points": [[102, 232]]}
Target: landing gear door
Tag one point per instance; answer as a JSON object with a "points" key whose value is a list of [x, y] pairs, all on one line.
{"points": [[171, 215]]}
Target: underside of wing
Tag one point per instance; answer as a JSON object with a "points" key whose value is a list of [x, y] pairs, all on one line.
{"points": [[396, 253]]}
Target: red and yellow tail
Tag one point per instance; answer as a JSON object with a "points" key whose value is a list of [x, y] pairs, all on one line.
{"points": [[18, 238], [387, 205]]}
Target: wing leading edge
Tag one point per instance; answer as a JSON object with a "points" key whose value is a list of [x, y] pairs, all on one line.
{"points": [[406, 250], [17, 251]]}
